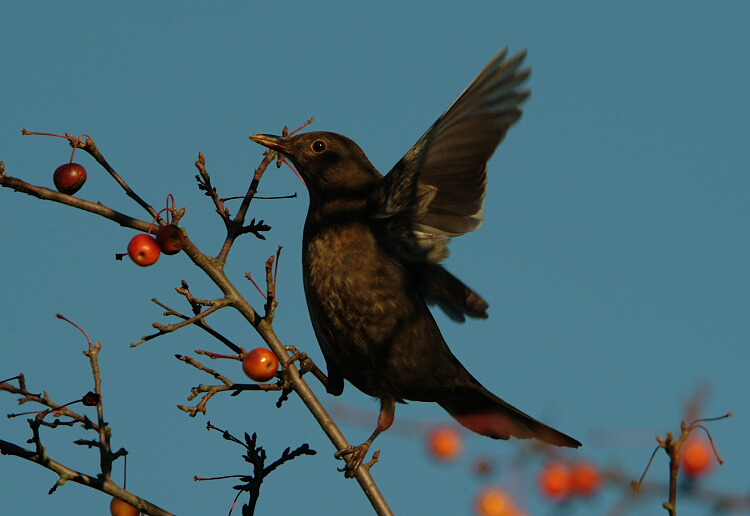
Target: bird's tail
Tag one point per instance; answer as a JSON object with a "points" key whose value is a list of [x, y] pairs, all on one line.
{"points": [[484, 413]]}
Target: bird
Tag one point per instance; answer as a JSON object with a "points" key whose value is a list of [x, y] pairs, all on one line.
{"points": [[371, 251]]}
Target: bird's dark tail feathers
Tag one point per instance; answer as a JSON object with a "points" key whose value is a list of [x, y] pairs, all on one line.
{"points": [[484, 413]]}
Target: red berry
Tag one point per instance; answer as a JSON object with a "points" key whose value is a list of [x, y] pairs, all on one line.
{"points": [[69, 178], [170, 239], [555, 481], [260, 365], [586, 478], [697, 456], [143, 250], [445, 443], [120, 508]]}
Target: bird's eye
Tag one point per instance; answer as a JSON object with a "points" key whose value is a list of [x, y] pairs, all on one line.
{"points": [[319, 146]]}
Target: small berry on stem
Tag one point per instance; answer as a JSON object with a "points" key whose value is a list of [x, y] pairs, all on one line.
{"points": [[697, 456], [69, 178], [170, 239], [260, 364], [144, 250]]}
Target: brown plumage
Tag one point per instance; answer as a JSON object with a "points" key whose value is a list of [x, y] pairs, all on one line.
{"points": [[371, 248]]}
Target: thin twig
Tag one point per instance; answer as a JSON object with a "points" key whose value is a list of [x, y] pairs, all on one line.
{"points": [[105, 450], [217, 305]]}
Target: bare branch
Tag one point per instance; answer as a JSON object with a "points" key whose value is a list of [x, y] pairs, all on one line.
{"points": [[67, 474], [96, 208]]}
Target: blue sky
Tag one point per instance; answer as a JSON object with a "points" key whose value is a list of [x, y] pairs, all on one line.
{"points": [[614, 252]]}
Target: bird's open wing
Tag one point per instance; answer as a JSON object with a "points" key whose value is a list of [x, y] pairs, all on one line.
{"points": [[437, 189]]}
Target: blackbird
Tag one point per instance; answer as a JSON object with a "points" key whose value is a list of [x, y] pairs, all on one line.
{"points": [[371, 251]]}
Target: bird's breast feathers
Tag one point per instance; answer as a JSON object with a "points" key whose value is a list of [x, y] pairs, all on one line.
{"points": [[345, 262]]}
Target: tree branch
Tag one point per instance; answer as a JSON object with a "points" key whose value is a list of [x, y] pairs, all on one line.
{"points": [[67, 474]]}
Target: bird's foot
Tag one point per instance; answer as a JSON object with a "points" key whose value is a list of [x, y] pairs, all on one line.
{"points": [[354, 456]]}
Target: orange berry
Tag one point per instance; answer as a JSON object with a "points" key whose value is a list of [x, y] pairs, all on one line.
{"points": [[445, 443], [697, 456], [261, 364], [585, 477], [495, 501], [120, 508], [555, 480]]}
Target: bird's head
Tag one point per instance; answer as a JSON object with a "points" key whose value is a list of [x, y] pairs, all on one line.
{"points": [[332, 165]]}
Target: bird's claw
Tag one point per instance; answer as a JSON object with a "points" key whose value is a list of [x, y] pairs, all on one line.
{"points": [[354, 456]]}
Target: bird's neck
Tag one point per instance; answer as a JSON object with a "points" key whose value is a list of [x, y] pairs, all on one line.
{"points": [[338, 210]]}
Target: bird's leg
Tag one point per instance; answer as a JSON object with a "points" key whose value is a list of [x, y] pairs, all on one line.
{"points": [[354, 455]]}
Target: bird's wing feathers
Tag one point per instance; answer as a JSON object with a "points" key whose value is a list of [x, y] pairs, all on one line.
{"points": [[439, 287], [437, 189]]}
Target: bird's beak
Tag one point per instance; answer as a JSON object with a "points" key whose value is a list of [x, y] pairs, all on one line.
{"points": [[276, 143]]}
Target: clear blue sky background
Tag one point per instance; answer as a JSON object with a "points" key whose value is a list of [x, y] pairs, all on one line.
{"points": [[614, 254]]}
